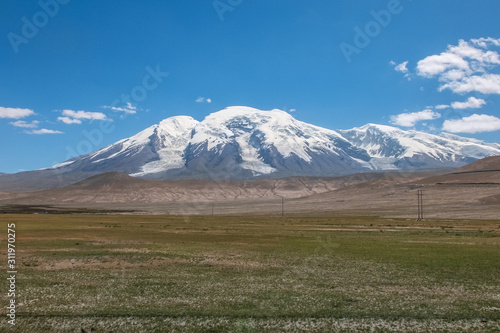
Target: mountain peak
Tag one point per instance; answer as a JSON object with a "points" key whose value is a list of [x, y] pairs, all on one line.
{"points": [[178, 120], [246, 112], [178, 124], [247, 109], [383, 128]]}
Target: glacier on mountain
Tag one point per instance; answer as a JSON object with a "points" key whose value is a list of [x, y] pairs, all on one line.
{"points": [[244, 143]]}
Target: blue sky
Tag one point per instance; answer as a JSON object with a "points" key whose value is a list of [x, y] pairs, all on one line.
{"points": [[67, 67]]}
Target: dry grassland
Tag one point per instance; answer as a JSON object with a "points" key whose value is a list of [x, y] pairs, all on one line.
{"points": [[124, 273]]}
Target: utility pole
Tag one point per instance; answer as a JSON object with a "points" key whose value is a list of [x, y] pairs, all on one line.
{"points": [[420, 197], [282, 207], [212, 208]]}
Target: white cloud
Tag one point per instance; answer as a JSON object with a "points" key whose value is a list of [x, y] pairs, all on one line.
{"points": [[466, 51], [84, 115], [203, 100], [471, 103], [293, 110], [453, 75], [437, 64], [410, 119], [474, 124], [15, 113], [76, 117], [485, 84], [128, 109], [464, 67], [402, 67], [24, 124], [484, 42], [68, 120], [44, 131]]}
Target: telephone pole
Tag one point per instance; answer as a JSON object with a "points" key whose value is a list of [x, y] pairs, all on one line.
{"points": [[420, 197], [282, 207]]}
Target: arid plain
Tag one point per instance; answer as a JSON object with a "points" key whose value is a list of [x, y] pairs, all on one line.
{"points": [[335, 255]]}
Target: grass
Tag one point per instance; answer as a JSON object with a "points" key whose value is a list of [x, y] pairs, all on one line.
{"points": [[126, 273]]}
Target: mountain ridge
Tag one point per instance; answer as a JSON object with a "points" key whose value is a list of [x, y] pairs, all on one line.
{"points": [[243, 143], [116, 187]]}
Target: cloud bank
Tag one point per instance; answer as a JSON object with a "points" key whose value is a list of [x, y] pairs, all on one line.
{"points": [[474, 124], [465, 67], [410, 119], [15, 113], [76, 117]]}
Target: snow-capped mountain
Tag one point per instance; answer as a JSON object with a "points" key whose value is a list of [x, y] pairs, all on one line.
{"points": [[235, 143], [392, 148], [246, 143]]}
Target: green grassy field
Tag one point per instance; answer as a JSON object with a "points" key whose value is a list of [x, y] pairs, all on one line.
{"points": [[125, 273]]}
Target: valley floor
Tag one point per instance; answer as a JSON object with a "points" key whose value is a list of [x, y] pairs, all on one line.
{"points": [[158, 273]]}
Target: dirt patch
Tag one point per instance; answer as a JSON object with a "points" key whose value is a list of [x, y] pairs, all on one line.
{"points": [[106, 262]]}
